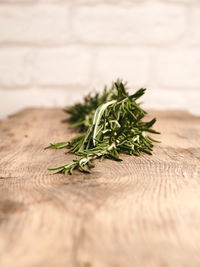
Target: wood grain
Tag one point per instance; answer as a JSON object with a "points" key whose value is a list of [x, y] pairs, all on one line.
{"points": [[144, 211]]}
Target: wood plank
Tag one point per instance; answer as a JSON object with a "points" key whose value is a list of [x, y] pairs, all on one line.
{"points": [[144, 211]]}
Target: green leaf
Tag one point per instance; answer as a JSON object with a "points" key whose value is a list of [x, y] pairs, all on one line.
{"points": [[58, 145], [111, 124]]}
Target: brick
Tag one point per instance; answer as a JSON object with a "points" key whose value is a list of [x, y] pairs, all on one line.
{"points": [[179, 68], [92, 2], [18, 1], [182, 1], [63, 66], [140, 23], [32, 1], [15, 67], [160, 98], [34, 23], [128, 64], [14, 100], [194, 36]]}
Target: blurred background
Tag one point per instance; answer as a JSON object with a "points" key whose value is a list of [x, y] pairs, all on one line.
{"points": [[54, 52]]}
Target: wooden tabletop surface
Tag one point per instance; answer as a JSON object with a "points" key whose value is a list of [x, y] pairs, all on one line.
{"points": [[141, 212]]}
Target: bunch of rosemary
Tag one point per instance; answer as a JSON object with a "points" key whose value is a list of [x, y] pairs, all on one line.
{"points": [[110, 124]]}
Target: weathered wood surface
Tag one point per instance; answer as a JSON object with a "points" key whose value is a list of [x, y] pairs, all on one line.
{"points": [[144, 211]]}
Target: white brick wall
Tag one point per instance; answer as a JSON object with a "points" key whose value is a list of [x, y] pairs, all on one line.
{"points": [[129, 64], [179, 68], [52, 52], [194, 37], [39, 24], [139, 23], [15, 67], [63, 66]]}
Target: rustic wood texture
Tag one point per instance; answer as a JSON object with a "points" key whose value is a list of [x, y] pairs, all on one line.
{"points": [[142, 212]]}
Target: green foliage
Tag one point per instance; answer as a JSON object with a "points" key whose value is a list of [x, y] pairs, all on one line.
{"points": [[111, 124]]}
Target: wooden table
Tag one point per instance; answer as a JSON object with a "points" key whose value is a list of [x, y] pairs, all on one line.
{"points": [[144, 211]]}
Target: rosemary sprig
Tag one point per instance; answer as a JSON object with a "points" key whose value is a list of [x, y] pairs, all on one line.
{"points": [[111, 124]]}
